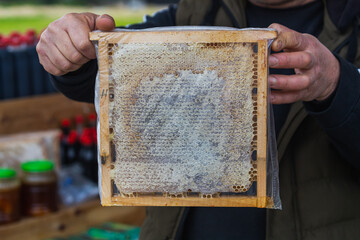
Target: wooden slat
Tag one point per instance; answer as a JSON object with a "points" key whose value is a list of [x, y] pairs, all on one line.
{"points": [[106, 191], [70, 221], [38, 113], [186, 201], [261, 123], [183, 36]]}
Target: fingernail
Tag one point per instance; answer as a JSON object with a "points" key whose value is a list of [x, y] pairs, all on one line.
{"points": [[105, 16], [273, 61], [272, 81], [279, 44]]}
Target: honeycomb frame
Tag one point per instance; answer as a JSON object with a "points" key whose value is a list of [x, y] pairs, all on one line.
{"points": [[259, 40]]}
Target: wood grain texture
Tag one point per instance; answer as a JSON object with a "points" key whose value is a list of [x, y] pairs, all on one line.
{"points": [[106, 191], [261, 122], [38, 113], [187, 201], [71, 221], [184, 36]]}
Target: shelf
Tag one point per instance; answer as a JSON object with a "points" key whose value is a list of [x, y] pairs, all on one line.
{"points": [[72, 220]]}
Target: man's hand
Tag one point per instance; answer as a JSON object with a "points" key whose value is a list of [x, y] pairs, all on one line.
{"points": [[317, 69], [65, 46]]}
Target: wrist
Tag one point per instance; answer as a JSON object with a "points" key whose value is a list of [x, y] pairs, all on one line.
{"points": [[333, 77], [337, 108]]}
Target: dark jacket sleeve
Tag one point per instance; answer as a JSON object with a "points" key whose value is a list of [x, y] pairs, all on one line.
{"points": [[80, 85], [340, 117]]}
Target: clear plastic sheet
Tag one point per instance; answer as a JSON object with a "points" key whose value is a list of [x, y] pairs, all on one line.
{"points": [[182, 118]]}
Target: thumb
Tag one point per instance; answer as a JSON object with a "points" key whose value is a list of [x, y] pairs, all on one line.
{"points": [[105, 23], [286, 39]]}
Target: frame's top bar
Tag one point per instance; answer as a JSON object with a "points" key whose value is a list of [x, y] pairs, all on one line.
{"points": [[185, 35]]}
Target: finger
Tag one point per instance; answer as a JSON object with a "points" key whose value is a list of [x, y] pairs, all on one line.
{"points": [[278, 97], [50, 67], [79, 33], [105, 23], [288, 39], [61, 62], [301, 60], [66, 41], [289, 82], [43, 51], [67, 48]]}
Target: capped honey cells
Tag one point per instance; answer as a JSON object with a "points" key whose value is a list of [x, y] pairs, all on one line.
{"points": [[183, 116]]}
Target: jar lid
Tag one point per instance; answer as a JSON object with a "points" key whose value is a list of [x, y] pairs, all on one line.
{"points": [[37, 166], [7, 173]]}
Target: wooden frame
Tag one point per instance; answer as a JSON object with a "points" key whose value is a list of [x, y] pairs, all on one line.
{"points": [[261, 37]]}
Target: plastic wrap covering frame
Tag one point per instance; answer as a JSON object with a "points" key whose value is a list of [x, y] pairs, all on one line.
{"points": [[124, 140]]}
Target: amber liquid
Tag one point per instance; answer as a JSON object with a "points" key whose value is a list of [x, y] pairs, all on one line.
{"points": [[9, 205], [39, 198]]}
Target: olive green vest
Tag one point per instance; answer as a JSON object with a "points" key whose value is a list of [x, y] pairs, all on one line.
{"points": [[320, 191]]}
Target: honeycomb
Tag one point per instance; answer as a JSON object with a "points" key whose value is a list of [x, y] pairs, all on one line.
{"points": [[183, 118]]}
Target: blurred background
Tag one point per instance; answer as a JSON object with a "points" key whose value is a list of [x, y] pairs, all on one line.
{"points": [[48, 143], [22, 21], [21, 15]]}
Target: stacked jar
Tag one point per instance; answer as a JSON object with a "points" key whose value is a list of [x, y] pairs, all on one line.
{"points": [[9, 196], [39, 188]]}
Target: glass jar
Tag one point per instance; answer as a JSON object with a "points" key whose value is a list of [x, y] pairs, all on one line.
{"points": [[39, 188], [9, 196]]}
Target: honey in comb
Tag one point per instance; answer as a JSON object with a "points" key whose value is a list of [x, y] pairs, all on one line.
{"points": [[183, 117]]}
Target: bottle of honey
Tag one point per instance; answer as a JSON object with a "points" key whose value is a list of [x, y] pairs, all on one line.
{"points": [[9, 196], [39, 188]]}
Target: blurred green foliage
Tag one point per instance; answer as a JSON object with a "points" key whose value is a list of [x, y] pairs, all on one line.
{"points": [[26, 16], [64, 2], [21, 24], [38, 23]]}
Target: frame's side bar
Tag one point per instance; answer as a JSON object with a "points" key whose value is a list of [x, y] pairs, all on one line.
{"points": [[261, 122], [104, 123]]}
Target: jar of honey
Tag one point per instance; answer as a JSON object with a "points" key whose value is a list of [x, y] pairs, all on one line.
{"points": [[39, 188], [9, 196]]}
